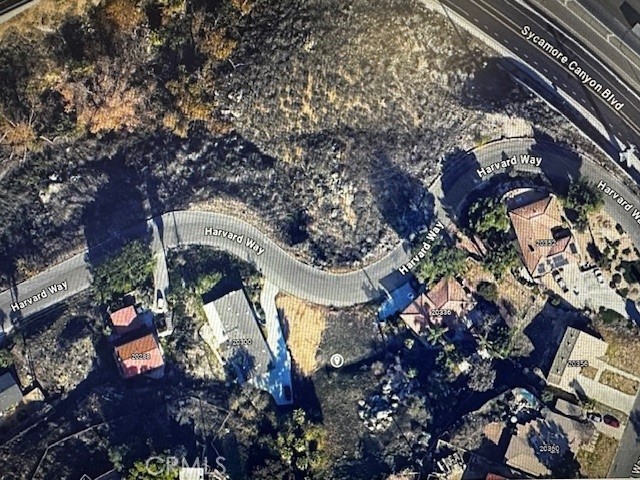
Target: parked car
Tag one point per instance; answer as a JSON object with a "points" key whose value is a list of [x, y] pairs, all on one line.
{"points": [[160, 301], [594, 417], [560, 281], [611, 421], [598, 273]]}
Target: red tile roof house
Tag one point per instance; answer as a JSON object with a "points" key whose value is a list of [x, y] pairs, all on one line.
{"points": [[126, 320], [544, 243], [142, 355], [445, 304]]}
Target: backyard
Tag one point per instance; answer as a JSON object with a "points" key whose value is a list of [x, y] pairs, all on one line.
{"points": [[596, 464]]}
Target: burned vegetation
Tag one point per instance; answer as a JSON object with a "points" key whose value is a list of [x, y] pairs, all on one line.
{"points": [[326, 120]]}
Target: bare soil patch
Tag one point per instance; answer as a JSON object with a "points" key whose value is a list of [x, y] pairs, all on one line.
{"points": [[619, 382], [596, 464], [304, 326], [623, 351], [589, 372]]}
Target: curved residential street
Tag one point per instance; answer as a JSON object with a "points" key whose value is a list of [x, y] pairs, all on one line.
{"points": [[288, 274], [284, 272]]}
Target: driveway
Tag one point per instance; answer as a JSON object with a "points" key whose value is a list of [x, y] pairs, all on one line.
{"points": [[586, 292]]}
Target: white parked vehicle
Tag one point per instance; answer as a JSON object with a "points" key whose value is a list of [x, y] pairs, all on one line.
{"points": [[599, 276], [560, 281]]}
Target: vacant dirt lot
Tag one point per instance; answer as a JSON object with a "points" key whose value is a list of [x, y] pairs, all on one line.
{"points": [[624, 349], [304, 325]]}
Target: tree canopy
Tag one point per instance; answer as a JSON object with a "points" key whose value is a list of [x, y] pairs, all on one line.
{"points": [[130, 268], [155, 469], [300, 443], [443, 261], [501, 257], [487, 214], [583, 198]]}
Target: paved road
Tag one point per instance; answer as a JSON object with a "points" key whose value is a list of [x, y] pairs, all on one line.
{"points": [[233, 235], [11, 8], [503, 20], [629, 449], [604, 30]]}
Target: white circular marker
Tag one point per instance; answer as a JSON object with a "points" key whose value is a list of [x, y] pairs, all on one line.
{"points": [[336, 360]]}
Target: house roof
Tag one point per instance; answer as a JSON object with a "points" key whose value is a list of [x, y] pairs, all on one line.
{"points": [[10, 394], [534, 222], [416, 315], [577, 345], [139, 356], [447, 294], [191, 473], [236, 329], [123, 317]]}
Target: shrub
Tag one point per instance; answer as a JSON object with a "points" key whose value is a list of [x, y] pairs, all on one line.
{"points": [[127, 270], [444, 261], [583, 198], [609, 317], [488, 214], [488, 291]]}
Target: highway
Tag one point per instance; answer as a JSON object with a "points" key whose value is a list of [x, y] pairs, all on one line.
{"points": [[504, 21]]}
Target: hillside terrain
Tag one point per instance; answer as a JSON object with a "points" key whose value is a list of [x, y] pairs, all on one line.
{"points": [[326, 121]]}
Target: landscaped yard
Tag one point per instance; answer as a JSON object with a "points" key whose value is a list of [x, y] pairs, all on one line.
{"points": [[304, 325], [510, 290], [596, 464], [623, 351], [619, 382], [589, 372]]}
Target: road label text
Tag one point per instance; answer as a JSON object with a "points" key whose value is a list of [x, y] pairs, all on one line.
{"points": [[426, 246], [52, 289], [524, 159], [234, 237], [573, 66], [620, 200]]}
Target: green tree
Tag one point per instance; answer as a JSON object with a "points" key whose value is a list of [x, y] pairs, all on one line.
{"points": [[482, 376], [501, 257], [155, 469], [6, 359], [435, 334], [300, 446], [444, 261], [487, 214], [583, 198], [488, 291], [130, 268], [449, 358]]}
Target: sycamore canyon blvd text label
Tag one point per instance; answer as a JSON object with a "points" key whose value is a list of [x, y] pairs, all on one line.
{"points": [[573, 66]]}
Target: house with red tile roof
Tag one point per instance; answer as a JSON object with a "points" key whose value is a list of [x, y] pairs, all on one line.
{"points": [[125, 320], [545, 243], [444, 304], [141, 355]]}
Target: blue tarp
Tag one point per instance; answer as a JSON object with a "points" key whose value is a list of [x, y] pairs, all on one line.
{"points": [[399, 299]]}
